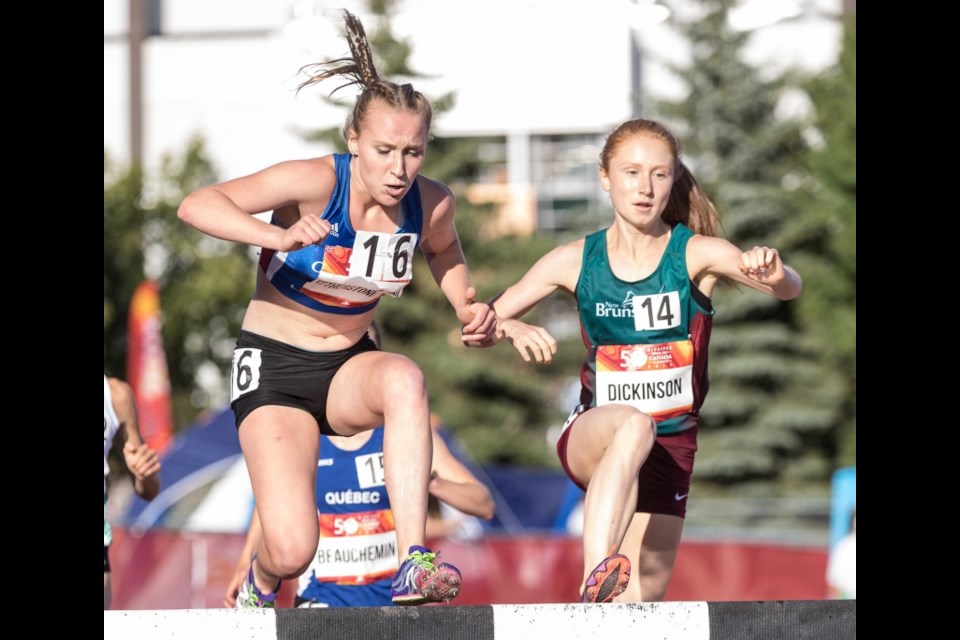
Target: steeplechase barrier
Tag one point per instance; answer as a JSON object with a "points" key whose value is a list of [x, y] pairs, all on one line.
{"points": [[766, 620]]}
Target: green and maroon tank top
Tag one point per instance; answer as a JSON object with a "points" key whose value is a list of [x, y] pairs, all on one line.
{"points": [[647, 341]]}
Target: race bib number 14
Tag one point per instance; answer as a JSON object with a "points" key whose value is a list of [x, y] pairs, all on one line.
{"points": [[659, 311]]}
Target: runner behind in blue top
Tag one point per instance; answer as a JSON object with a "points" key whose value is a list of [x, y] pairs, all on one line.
{"points": [[357, 552]]}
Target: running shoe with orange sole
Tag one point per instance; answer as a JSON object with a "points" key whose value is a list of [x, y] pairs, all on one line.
{"points": [[608, 580]]}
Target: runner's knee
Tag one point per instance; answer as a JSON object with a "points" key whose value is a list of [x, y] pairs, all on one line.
{"points": [[290, 555], [403, 379], [636, 433]]}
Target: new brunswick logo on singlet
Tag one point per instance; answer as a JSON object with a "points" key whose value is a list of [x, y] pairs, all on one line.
{"points": [[655, 378]]}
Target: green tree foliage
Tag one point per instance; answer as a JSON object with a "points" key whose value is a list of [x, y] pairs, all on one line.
{"points": [[830, 304], [204, 283], [774, 407]]}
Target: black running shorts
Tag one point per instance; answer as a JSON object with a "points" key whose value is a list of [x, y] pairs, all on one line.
{"points": [[268, 372]]}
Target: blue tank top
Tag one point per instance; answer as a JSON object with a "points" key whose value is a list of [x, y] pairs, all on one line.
{"points": [[647, 341], [350, 270], [357, 552]]}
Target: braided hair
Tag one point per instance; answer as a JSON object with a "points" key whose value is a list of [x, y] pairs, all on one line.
{"points": [[359, 69]]}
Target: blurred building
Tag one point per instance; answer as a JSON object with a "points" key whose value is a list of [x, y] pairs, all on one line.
{"points": [[542, 81]]}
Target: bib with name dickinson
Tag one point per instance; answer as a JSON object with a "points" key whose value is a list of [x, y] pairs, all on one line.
{"points": [[646, 340], [655, 378]]}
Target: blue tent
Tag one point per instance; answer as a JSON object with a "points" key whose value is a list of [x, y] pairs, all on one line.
{"points": [[205, 487]]}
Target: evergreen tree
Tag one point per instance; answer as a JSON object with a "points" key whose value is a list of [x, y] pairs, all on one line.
{"points": [[774, 405], [204, 283], [830, 304]]}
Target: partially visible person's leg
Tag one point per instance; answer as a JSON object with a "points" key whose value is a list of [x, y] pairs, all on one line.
{"points": [[280, 446], [652, 542], [605, 449]]}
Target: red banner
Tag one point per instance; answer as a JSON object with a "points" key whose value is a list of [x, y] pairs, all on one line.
{"points": [[171, 570], [147, 369]]}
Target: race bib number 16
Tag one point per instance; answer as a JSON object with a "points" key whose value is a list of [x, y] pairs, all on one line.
{"points": [[384, 257]]}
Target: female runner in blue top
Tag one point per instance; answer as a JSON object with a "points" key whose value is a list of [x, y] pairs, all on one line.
{"points": [[342, 235]]}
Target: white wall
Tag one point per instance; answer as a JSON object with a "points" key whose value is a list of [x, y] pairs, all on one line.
{"points": [[515, 65]]}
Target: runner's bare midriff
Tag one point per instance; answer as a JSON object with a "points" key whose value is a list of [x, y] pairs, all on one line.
{"points": [[275, 316]]}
